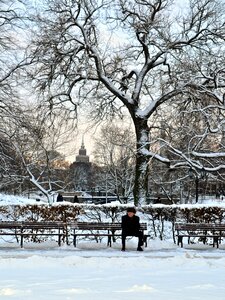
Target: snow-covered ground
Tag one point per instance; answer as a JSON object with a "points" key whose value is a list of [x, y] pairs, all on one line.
{"points": [[162, 272], [10, 199], [93, 271]]}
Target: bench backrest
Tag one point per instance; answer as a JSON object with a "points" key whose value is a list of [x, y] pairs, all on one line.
{"points": [[31, 225], [100, 226], [10, 224], [59, 225], [199, 226]]}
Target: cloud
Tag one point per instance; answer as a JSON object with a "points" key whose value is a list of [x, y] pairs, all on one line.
{"points": [[140, 289], [72, 291], [205, 286], [12, 292]]}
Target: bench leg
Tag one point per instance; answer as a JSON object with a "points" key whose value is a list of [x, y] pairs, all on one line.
{"points": [[180, 241], [109, 241], [145, 240], [21, 241], [74, 240], [189, 238], [216, 241], [59, 240]]}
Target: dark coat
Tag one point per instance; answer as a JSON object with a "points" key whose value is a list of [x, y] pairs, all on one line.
{"points": [[130, 225]]}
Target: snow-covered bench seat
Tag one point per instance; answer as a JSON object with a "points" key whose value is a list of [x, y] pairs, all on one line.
{"points": [[32, 229], [202, 231], [99, 229]]}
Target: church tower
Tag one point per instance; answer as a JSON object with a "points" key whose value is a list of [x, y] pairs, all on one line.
{"points": [[80, 170], [82, 156]]}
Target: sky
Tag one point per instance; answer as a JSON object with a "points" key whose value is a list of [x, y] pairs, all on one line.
{"points": [[163, 271]]}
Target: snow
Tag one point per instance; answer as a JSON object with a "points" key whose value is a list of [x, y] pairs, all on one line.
{"points": [[20, 200], [159, 272], [163, 271]]}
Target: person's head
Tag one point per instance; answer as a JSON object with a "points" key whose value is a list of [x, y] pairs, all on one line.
{"points": [[131, 211]]}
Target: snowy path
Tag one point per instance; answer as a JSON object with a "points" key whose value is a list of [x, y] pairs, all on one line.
{"points": [[98, 274]]}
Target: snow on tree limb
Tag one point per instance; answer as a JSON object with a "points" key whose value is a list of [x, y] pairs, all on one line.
{"points": [[208, 155]]}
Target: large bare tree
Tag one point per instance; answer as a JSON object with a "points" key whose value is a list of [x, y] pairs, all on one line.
{"points": [[138, 55]]}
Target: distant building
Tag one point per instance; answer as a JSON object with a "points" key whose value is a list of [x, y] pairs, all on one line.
{"points": [[82, 157], [81, 170]]}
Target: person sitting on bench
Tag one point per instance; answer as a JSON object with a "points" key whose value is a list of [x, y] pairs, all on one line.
{"points": [[131, 227]]}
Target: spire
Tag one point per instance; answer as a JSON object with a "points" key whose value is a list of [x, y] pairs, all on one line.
{"points": [[82, 144]]}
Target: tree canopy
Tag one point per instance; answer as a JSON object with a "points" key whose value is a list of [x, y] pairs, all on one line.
{"points": [[159, 61]]}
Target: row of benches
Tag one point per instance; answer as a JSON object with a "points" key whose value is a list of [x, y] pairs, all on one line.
{"points": [[64, 230]]}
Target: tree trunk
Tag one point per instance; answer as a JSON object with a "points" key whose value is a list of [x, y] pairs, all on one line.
{"points": [[142, 158]]}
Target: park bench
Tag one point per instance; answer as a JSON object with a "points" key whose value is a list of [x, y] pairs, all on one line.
{"points": [[32, 229], [202, 231], [99, 229]]}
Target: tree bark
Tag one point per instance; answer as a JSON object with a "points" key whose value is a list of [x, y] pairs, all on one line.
{"points": [[141, 170]]}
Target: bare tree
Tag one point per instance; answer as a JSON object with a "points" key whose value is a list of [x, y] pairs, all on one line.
{"points": [[12, 58], [178, 131], [115, 153], [23, 137], [139, 55], [32, 155]]}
